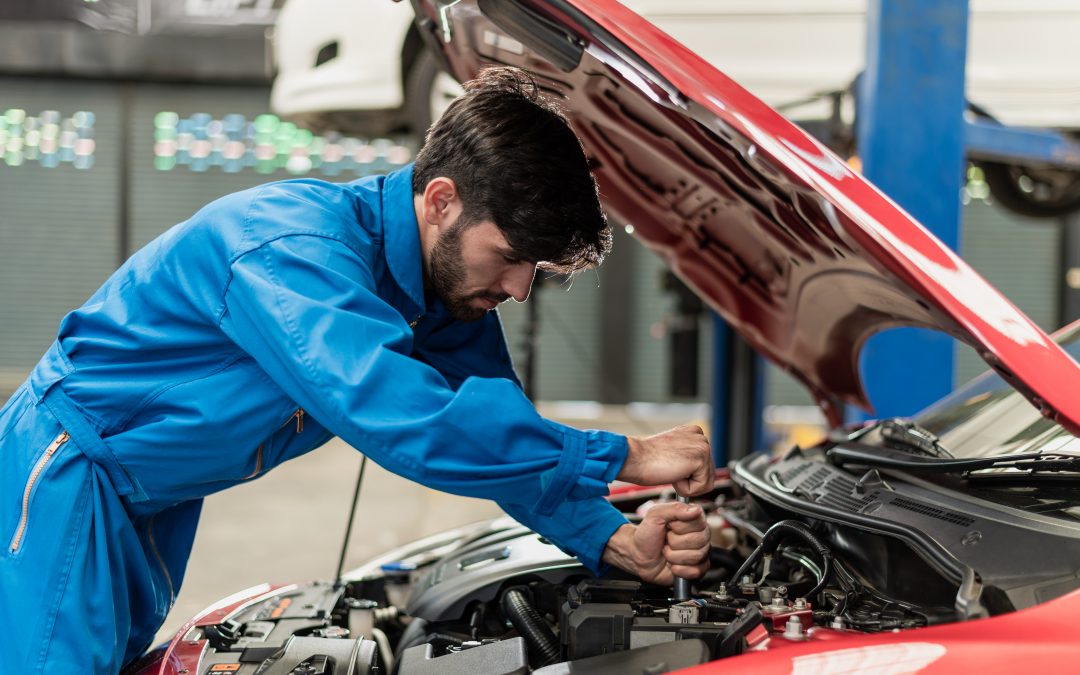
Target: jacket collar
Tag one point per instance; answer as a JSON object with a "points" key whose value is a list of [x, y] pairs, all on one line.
{"points": [[401, 235]]}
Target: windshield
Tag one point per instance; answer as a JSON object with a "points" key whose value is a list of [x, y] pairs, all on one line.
{"points": [[987, 417]]}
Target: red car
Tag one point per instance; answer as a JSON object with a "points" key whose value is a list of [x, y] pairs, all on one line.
{"points": [[944, 543]]}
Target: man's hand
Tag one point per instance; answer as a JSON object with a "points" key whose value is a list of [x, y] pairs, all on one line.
{"points": [[681, 456], [672, 540]]}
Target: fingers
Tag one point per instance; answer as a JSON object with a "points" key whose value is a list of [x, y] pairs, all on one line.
{"points": [[686, 557], [672, 540], [699, 455], [667, 512], [681, 456], [689, 571], [692, 540], [700, 482], [678, 527], [686, 542], [689, 556]]}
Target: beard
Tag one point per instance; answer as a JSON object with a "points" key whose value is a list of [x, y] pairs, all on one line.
{"points": [[446, 276]]}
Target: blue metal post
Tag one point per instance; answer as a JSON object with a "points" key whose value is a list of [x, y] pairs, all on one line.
{"points": [[721, 390], [911, 141], [738, 396]]}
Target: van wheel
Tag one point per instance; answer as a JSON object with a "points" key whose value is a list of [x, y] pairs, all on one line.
{"points": [[1032, 191], [428, 92]]}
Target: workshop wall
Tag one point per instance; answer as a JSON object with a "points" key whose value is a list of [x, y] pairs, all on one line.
{"points": [[58, 232], [64, 229]]}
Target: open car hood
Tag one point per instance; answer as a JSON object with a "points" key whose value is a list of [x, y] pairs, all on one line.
{"points": [[801, 255]]}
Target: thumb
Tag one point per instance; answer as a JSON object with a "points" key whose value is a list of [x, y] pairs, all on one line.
{"points": [[652, 532], [670, 511]]}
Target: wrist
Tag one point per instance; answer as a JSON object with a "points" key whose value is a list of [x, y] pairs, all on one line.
{"points": [[619, 551], [628, 471]]}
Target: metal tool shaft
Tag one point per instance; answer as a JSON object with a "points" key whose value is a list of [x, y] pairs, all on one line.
{"points": [[682, 586]]}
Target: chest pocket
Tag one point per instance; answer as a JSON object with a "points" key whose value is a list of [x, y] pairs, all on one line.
{"points": [[266, 455]]}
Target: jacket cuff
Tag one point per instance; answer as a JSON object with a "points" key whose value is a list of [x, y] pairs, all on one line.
{"points": [[592, 552], [590, 460]]}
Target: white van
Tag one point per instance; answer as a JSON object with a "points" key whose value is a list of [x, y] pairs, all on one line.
{"points": [[359, 66]]}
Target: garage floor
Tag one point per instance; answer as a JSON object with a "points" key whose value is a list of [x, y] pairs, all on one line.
{"points": [[287, 526]]}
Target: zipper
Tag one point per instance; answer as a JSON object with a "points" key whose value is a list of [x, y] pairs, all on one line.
{"points": [[299, 417], [161, 561], [34, 475], [258, 462]]}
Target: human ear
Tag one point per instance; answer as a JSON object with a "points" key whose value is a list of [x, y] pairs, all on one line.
{"points": [[442, 205]]}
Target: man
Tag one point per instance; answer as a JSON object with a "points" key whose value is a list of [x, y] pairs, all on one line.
{"points": [[278, 317]]}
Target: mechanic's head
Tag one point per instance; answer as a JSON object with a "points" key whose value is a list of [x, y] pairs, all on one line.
{"points": [[502, 187]]}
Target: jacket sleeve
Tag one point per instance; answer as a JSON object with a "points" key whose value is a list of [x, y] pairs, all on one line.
{"points": [[581, 528], [304, 308]]}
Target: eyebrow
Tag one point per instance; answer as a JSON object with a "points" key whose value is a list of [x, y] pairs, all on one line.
{"points": [[510, 254]]}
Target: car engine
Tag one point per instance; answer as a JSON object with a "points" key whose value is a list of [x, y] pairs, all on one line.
{"points": [[498, 598]]}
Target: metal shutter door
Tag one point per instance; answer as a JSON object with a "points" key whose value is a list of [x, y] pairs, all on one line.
{"points": [[58, 238]]}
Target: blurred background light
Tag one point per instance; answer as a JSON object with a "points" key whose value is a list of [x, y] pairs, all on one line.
{"points": [[47, 138], [266, 144]]}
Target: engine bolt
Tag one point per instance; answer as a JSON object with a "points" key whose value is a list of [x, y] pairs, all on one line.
{"points": [[793, 629], [800, 603], [837, 623]]}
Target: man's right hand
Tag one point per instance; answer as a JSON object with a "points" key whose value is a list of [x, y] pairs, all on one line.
{"points": [[681, 456]]}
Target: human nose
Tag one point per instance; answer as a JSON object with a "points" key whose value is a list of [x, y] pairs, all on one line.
{"points": [[517, 282]]}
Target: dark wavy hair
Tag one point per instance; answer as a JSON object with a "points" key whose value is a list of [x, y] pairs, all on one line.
{"points": [[517, 162]]}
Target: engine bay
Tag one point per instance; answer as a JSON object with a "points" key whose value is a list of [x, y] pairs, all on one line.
{"points": [[802, 551]]}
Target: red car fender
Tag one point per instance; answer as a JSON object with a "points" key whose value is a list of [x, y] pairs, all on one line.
{"points": [[183, 657], [1039, 639]]}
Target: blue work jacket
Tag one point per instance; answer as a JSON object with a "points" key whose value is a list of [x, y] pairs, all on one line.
{"points": [[273, 320]]}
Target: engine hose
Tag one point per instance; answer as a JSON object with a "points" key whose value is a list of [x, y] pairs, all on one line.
{"points": [[771, 541], [543, 645]]}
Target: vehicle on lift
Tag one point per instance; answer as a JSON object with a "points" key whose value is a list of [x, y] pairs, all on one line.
{"points": [[362, 68], [935, 544]]}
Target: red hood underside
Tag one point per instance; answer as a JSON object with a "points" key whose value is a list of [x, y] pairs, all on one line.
{"points": [[801, 255]]}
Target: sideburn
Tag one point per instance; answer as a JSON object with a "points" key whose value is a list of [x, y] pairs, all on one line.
{"points": [[446, 273]]}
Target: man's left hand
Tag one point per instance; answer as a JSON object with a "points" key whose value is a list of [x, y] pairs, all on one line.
{"points": [[672, 540]]}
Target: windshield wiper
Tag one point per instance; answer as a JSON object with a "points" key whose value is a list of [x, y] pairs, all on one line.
{"points": [[896, 431], [1030, 462]]}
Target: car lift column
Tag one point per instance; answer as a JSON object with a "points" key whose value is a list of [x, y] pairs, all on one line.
{"points": [[1070, 268], [910, 130], [738, 396]]}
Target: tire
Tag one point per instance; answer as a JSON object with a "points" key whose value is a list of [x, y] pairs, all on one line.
{"points": [[1033, 192], [428, 90]]}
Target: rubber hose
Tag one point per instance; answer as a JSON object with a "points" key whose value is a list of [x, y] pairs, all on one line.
{"points": [[543, 645], [777, 533], [723, 559]]}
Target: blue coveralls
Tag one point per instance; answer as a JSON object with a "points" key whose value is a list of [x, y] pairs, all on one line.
{"points": [[250, 334]]}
